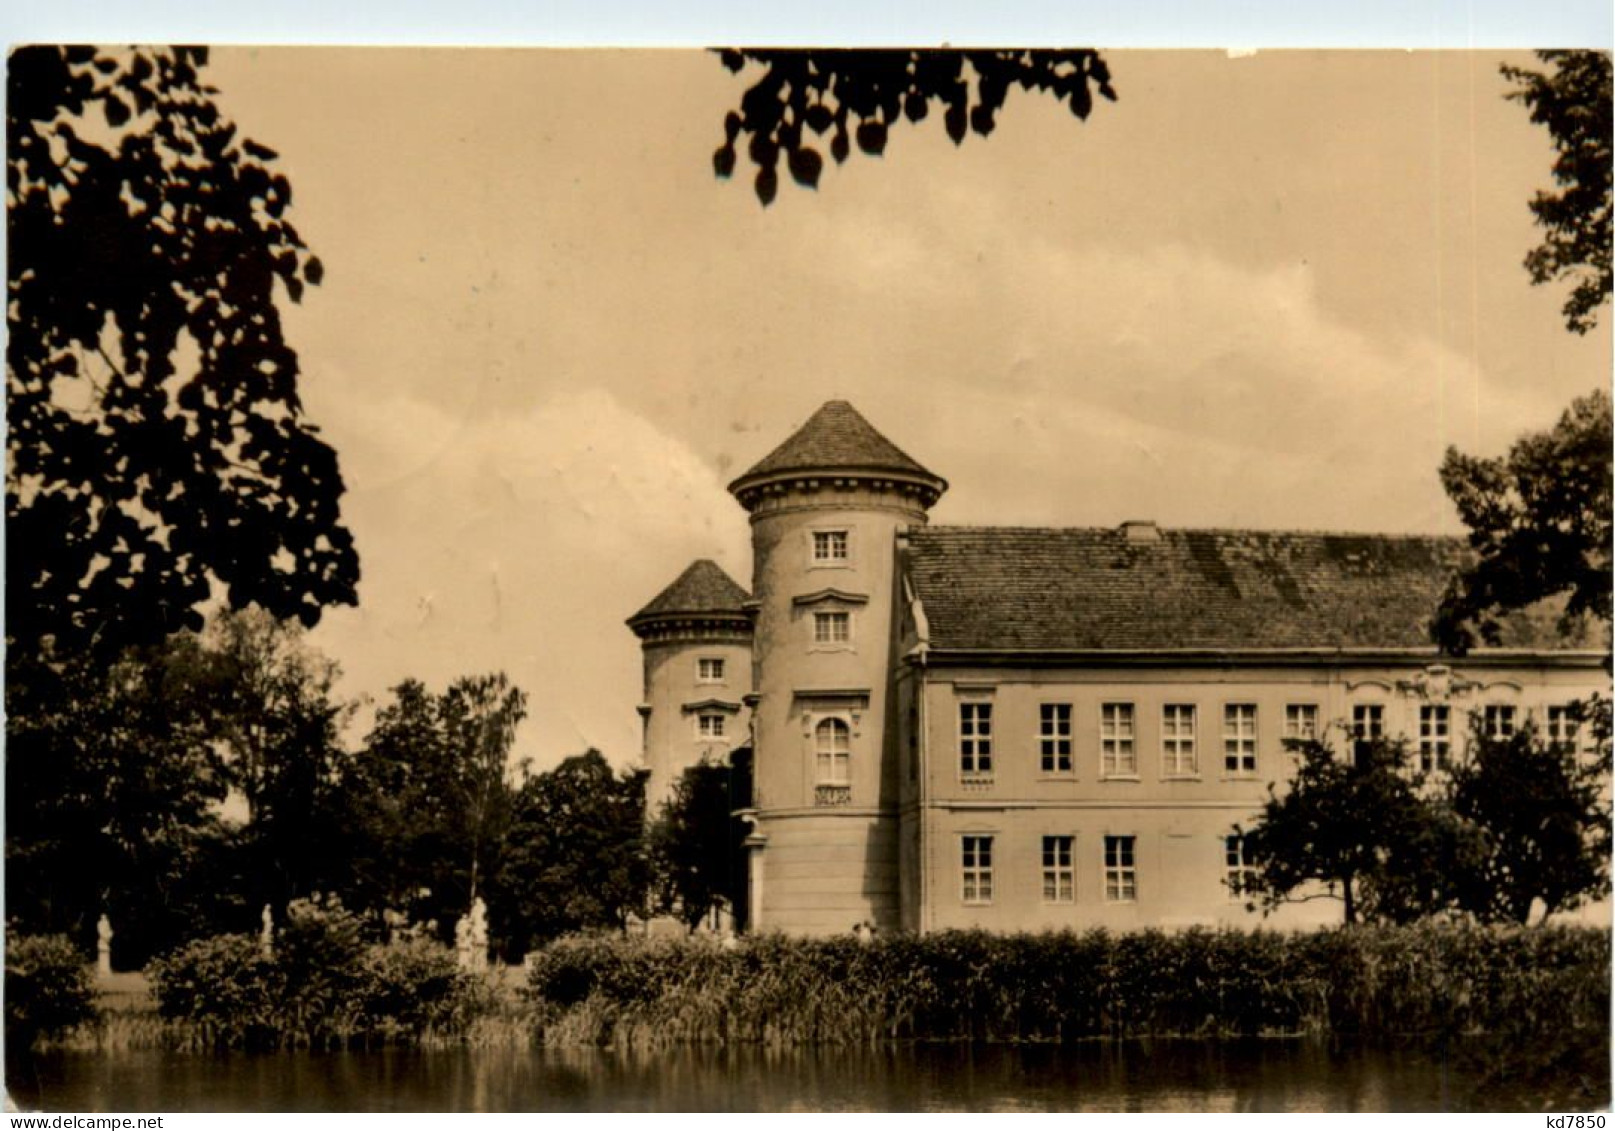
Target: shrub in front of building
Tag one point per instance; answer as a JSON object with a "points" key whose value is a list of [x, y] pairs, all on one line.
{"points": [[1426, 981], [320, 985]]}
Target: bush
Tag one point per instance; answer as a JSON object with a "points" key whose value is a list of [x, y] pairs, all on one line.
{"points": [[48, 989], [322, 986], [414, 986], [224, 988]]}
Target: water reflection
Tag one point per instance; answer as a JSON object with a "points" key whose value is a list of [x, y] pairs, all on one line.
{"points": [[1131, 1076]]}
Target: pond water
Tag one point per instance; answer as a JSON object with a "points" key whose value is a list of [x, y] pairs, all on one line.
{"points": [[1272, 1075]]}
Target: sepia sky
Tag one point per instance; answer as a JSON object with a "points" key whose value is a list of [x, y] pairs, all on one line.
{"points": [[1264, 290]]}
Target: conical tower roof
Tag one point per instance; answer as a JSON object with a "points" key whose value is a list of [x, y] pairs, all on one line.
{"points": [[703, 589], [837, 439]]}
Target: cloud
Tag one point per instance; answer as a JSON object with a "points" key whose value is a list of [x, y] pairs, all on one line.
{"points": [[521, 543], [1165, 383]]}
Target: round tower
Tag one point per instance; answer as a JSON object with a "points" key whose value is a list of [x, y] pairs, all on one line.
{"points": [[696, 639], [826, 507]]}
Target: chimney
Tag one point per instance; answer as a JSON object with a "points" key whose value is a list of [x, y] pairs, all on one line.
{"points": [[1141, 530]]}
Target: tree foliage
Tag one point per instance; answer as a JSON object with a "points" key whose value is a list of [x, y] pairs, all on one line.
{"points": [[119, 780], [157, 445], [429, 797], [1541, 808], [1357, 831], [860, 95], [697, 860], [1540, 523], [277, 722], [1573, 101], [1515, 823], [112, 788], [575, 854]]}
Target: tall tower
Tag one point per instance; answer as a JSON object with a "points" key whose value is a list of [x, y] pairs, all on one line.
{"points": [[826, 506], [696, 639]]}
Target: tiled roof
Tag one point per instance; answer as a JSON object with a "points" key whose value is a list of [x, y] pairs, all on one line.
{"points": [[702, 588], [1007, 588], [836, 437]]}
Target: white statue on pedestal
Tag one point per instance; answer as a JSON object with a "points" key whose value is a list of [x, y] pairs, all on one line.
{"points": [[103, 946]]}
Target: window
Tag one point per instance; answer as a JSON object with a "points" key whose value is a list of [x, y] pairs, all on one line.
{"points": [[975, 738], [1301, 720], [1238, 871], [1435, 737], [1059, 877], [1117, 757], [978, 869], [1054, 737], [1178, 756], [832, 628], [1498, 720], [832, 743], [1239, 738], [710, 725], [1121, 877], [1367, 727], [1564, 726], [829, 547], [709, 669]]}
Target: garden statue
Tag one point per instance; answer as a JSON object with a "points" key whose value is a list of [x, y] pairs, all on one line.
{"points": [[266, 936], [479, 935], [103, 946], [462, 942]]}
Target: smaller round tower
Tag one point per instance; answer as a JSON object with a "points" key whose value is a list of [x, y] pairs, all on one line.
{"points": [[696, 639]]}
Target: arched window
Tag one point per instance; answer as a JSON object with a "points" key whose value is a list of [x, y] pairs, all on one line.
{"points": [[833, 742]]}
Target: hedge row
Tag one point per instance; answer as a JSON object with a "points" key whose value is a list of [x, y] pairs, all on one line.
{"points": [[1418, 981]]}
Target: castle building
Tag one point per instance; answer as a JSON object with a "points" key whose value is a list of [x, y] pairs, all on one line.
{"points": [[1017, 728]]}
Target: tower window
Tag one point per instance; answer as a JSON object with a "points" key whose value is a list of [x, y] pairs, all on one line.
{"points": [[832, 628], [832, 750], [829, 547], [709, 669], [710, 725]]}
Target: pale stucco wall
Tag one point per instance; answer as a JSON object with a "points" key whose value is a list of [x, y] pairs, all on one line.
{"points": [[1178, 823], [826, 867], [672, 683]]}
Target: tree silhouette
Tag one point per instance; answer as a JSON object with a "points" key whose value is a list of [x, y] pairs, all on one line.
{"points": [[1540, 523], [157, 445], [859, 95], [1573, 101], [1357, 831], [1540, 803]]}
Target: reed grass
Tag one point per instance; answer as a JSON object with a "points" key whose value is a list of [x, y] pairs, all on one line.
{"points": [[1428, 981]]}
